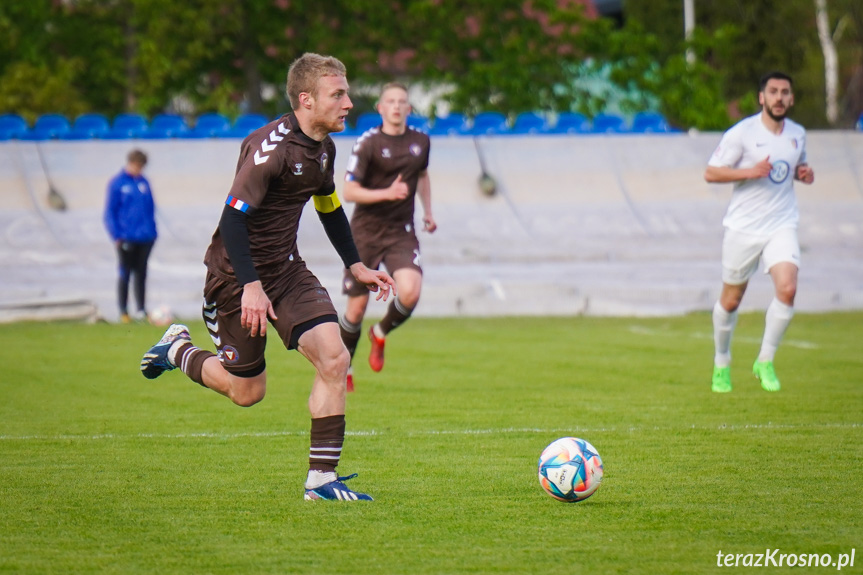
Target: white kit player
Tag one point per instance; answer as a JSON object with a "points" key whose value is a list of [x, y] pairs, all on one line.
{"points": [[761, 155]]}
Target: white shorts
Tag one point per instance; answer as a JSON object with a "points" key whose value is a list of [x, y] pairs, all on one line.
{"points": [[741, 252]]}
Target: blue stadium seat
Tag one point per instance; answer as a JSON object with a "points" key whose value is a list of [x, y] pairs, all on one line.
{"points": [[649, 123], [860, 123], [489, 123], [570, 123], [165, 126], [608, 124], [88, 126], [455, 124], [529, 123], [366, 121], [127, 126], [210, 126], [418, 122], [48, 127], [245, 124], [12, 126]]}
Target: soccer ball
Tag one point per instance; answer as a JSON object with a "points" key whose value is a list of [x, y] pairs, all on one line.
{"points": [[160, 315], [570, 469]]}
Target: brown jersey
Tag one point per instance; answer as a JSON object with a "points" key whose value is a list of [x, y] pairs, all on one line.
{"points": [[279, 169], [376, 161]]}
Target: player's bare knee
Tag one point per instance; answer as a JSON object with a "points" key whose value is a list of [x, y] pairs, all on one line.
{"points": [[335, 367], [248, 392], [248, 397], [730, 303], [409, 298], [786, 293]]}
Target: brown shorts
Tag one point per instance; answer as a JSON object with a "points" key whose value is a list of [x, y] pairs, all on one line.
{"points": [[304, 305], [404, 253]]}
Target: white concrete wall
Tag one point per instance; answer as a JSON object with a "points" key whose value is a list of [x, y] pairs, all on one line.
{"points": [[619, 224]]}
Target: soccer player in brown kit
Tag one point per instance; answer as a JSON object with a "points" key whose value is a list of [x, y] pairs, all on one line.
{"points": [[255, 273], [387, 169]]}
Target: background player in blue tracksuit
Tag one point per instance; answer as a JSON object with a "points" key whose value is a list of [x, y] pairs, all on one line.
{"points": [[130, 218]]}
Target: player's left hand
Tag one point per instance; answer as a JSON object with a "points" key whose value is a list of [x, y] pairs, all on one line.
{"points": [[375, 280], [805, 174], [429, 224]]}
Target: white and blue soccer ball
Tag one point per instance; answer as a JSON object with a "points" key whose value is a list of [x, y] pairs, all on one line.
{"points": [[570, 469], [161, 316]]}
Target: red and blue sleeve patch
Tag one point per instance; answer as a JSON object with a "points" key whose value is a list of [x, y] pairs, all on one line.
{"points": [[238, 204]]}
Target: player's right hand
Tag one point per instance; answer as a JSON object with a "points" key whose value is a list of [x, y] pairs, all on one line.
{"points": [[398, 190], [762, 169], [375, 280], [256, 308]]}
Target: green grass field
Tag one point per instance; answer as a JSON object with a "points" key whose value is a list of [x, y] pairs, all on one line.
{"points": [[102, 471]]}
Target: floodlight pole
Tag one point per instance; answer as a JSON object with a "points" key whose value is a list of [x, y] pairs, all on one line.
{"points": [[689, 26]]}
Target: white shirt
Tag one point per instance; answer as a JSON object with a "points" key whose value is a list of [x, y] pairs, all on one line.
{"points": [[764, 205]]}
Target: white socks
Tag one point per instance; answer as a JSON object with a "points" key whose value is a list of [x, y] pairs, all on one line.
{"points": [[775, 323], [172, 351], [317, 478], [723, 326]]}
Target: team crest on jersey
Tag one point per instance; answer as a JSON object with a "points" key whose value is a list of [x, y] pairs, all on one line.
{"points": [[386, 153], [324, 159], [229, 354], [415, 149], [779, 172], [298, 169]]}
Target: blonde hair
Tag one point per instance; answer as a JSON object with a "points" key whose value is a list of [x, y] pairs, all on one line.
{"points": [[306, 71]]}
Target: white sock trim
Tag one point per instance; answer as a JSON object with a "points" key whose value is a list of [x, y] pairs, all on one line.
{"points": [[317, 478], [401, 308], [348, 326], [175, 347]]}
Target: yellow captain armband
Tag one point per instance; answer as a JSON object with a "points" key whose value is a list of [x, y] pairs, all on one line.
{"points": [[327, 204]]}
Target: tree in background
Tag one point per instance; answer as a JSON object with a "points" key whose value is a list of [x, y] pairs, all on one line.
{"points": [[653, 69], [510, 56], [32, 81], [770, 35], [231, 56]]}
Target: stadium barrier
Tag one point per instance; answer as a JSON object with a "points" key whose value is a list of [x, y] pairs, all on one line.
{"points": [[215, 125], [579, 224]]}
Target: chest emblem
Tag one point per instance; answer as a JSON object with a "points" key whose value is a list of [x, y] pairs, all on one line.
{"points": [[779, 172], [386, 153], [415, 149], [298, 169], [324, 159]]}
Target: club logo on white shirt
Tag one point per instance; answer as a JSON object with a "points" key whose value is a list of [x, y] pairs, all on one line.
{"points": [[780, 172]]}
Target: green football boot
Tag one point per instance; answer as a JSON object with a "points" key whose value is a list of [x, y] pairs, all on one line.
{"points": [[764, 371], [721, 379]]}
